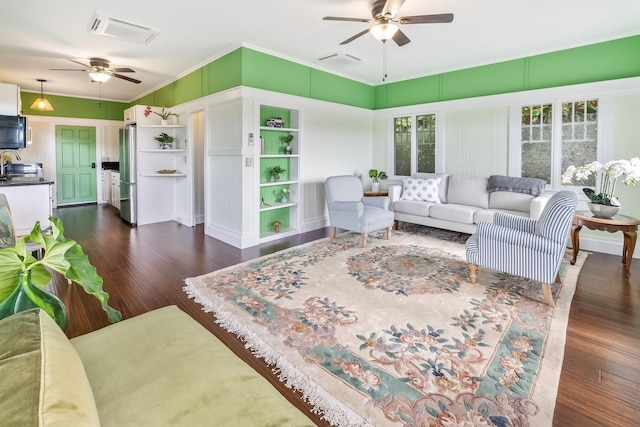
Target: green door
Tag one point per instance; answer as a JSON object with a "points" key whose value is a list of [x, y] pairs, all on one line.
{"points": [[76, 179]]}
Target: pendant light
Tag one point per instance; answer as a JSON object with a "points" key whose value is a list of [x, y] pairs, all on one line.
{"points": [[41, 103]]}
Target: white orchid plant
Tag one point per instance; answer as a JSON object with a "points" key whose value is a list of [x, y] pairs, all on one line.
{"points": [[628, 170]]}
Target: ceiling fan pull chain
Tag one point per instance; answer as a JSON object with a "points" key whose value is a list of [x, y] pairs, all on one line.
{"points": [[384, 60]]}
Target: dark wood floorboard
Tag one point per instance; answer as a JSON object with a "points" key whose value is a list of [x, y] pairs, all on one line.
{"points": [[144, 267]]}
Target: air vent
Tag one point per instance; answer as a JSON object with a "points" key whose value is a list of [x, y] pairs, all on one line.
{"points": [[111, 27], [338, 60]]}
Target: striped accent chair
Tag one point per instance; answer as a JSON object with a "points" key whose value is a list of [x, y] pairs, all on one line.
{"points": [[524, 246], [349, 210]]}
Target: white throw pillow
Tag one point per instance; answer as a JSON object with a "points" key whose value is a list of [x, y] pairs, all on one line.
{"points": [[425, 190]]}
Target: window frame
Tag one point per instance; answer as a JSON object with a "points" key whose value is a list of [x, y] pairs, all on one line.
{"points": [[515, 140], [413, 161]]}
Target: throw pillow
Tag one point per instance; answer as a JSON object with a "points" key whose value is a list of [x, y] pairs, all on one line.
{"points": [[425, 190], [43, 380]]}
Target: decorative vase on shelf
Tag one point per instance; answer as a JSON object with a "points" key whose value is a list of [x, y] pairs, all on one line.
{"points": [[28, 295], [164, 122], [165, 146], [603, 211], [375, 187], [276, 178], [284, 199]]}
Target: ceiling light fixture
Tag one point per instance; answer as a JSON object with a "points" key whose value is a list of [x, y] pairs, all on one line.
{"points": [[99, 76], [383, 32], [41, 103]]}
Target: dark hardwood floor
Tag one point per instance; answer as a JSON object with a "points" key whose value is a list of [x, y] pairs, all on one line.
{"points": [[144, 267]]}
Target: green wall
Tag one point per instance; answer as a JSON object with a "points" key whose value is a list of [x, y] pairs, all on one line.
{"points": [[66, 106], [602, 61], [246, 67]]}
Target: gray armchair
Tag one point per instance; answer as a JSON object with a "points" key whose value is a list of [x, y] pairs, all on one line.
{"points": [[349, 210], [524, 246]]}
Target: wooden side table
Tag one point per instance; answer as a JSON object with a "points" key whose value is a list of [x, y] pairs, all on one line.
{"points": [[627, 224], [381, 193]]}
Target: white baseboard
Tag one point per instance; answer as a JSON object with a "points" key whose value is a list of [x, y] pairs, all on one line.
{"points": [[604, 246]]}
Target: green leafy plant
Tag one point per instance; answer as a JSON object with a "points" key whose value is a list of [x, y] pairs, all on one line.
{"points": [[60, 254], [375, 175], [277, 171], [164, 138], [165, 114]]}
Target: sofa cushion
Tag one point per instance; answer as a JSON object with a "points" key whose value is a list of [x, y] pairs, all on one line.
{"points": [[425, 190], [510, 201], [468, 190], [412, 207], [444, 182], [453, 212], [43, 380], [486, 215], [163, 368]]}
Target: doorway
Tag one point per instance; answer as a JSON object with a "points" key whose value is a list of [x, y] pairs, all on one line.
{"points": [[76, 178]]}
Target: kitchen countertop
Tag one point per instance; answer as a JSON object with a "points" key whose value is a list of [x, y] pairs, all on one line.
{"points": [[25, 181]]}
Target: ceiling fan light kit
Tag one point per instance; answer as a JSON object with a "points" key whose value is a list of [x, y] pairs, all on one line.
{"points": [[384, 32], [99, 77], [41, 103]]}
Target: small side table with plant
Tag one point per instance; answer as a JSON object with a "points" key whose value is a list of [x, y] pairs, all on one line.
{"points": [[376, 176]]}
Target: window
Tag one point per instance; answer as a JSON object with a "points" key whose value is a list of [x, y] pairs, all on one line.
{"points": [[575, 143], [426, 139], [402, 145], [414, 151]]}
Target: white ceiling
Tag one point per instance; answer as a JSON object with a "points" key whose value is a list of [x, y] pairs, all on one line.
{"points": [[36, 35]]}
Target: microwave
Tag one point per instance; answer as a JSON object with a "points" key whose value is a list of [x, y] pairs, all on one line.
{"points": [[13, 132]]}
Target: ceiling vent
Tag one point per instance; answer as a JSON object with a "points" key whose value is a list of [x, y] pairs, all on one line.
{"points": [[111, 27], [338, 60]]}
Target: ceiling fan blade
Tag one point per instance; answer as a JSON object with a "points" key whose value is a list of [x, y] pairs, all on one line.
{"points": [[122, 70], [400, 38], [360, 34], [84, 65], [441, 18], [391, 7], [127, 78], [338, 18]]}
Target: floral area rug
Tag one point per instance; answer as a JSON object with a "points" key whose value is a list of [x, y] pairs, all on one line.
{"points": [[394, 334]]}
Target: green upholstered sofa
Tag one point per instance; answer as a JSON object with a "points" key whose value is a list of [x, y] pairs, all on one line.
{"points": [[161, 368]]}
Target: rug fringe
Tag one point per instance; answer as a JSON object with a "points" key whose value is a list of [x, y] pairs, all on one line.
{"points": [[323, 403]]}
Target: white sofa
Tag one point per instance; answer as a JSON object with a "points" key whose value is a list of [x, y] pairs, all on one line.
{"points": [[460, 202]]}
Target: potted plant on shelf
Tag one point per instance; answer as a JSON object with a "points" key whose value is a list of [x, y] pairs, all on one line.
{"points": [[375, 177], [286, 139], [23, 277], [164, 114], [166, 141], [276, 171], [286, 192]]}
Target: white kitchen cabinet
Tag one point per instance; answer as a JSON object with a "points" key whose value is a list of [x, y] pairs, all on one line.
{"points": [[29, 203], [115, 189], [106, 185], [136, 114], [9, 100], [111, 143]]}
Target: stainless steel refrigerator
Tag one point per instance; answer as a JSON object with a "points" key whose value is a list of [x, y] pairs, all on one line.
{"points": [[128, 187]]}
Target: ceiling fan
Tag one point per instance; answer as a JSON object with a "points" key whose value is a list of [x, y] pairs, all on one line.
{"points": [[383, 14], [100, 70]]}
